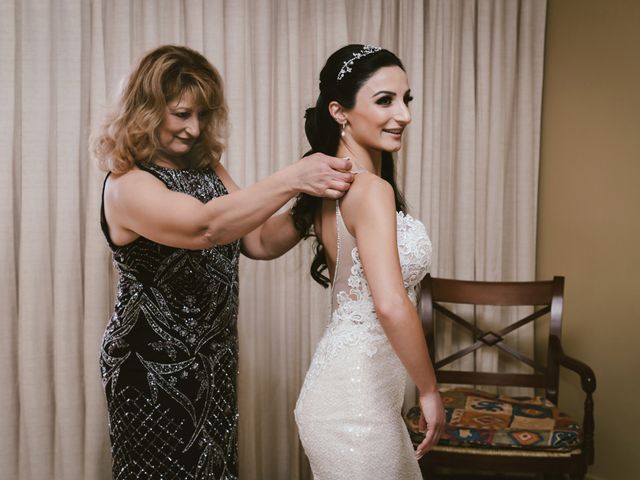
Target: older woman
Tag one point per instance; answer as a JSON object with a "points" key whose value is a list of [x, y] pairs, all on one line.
{"points": [[176, 223]]}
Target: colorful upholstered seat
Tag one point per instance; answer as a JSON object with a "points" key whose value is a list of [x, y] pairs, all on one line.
{"points": [[480, 419]]}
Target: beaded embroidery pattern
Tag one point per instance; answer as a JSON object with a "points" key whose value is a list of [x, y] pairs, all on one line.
{"points": [[169, 353], [348, 411]]}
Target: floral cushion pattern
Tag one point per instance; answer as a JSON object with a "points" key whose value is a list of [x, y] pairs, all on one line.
{"points": [[480, 419]]}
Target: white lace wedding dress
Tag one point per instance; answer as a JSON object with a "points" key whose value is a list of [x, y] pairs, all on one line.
{"points": [[349, 409]]}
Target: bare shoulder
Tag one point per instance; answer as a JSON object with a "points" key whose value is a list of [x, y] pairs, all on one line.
{"points": [[368, 194], [219, 169], [120, 187], [134, 177], [367, 189]]}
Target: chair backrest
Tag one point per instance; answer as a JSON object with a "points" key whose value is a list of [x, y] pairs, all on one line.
{"points": [[546, 296]]}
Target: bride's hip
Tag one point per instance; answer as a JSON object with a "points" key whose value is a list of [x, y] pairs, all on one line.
{"points": [[352, 381]]}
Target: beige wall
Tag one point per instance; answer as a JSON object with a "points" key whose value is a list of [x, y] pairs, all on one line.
{"points": [[589, 216]]}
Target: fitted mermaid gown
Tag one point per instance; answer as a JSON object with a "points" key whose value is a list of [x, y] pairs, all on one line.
{"points": [[349, 408]]}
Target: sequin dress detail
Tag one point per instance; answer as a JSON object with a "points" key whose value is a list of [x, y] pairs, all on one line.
{"points": [[169, 355], [349, 408]]}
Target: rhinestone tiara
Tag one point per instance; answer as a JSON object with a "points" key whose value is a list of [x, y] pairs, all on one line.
{"points": [[346, 66]]}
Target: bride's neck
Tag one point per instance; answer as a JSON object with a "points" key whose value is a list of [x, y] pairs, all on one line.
{"points": [[362, 159]]}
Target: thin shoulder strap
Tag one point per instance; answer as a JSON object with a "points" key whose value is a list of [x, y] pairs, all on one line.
{"points": [[338, 241], [345, 241], [103, 217]]}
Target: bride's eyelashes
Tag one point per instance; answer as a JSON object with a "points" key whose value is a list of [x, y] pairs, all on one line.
{"points": [[385, 100], [388, 99]]}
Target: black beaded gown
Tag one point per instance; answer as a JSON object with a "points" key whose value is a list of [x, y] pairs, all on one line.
{"points": [[169, 355]]}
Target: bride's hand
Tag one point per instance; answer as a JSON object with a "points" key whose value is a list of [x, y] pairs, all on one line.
{"points": [[432, 421]]}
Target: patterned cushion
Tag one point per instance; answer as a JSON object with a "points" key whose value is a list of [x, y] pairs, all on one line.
{"points": [[479, 419]]}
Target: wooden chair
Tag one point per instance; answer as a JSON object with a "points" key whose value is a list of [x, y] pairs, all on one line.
{"points": [[547, 297]]}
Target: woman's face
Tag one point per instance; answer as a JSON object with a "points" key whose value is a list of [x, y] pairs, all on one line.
{"points": [[381, 111], [183, 121]]}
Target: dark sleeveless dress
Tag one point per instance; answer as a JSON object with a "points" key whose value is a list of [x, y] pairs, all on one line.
{"points": [[169, 355]]}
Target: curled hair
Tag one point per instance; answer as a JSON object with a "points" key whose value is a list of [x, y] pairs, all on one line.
{"points": [[163, 75], [323, 134]]}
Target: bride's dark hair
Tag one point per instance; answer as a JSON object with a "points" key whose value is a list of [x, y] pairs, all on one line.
{"points": [[323, 133]]}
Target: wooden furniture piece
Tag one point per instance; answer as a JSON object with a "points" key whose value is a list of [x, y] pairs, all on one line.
{"points": [[547, 297]]}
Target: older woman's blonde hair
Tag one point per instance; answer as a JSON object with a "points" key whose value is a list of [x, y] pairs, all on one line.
{"points": [[163, 75]]}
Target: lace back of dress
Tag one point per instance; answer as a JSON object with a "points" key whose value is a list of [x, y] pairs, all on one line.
{"points": [[344, 261]]}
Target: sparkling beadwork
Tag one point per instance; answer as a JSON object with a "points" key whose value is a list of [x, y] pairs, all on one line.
{"points": [[348, 411], [169, 354], [364, 51]]}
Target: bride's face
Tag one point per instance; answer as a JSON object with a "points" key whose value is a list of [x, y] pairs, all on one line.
{"points": [[381, 112]]}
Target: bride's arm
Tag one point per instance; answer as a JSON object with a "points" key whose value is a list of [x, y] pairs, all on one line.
{"points": [[369, 210]]}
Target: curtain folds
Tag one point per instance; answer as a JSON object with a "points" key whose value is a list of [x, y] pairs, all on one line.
{"points": [[469, 169]]}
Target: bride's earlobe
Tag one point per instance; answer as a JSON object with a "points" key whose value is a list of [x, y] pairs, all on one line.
{"points": [[337, 112]]}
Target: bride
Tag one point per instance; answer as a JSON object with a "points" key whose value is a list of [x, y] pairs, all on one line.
{"points": [[349, 409]]}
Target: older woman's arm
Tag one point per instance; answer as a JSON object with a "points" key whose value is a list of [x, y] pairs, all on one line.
{"points": [[273, 238], [138, 204]]}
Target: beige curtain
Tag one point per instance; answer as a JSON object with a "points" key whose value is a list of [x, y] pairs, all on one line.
{"points": [[469, 170], [471, 162]]}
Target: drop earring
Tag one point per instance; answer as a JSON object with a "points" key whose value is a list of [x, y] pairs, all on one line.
{"points": [[343, 133]]}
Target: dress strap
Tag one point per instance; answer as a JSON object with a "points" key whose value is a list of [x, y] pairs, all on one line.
{"points": [[339, 221], [341, 227], [344, 242], [103, 217]]}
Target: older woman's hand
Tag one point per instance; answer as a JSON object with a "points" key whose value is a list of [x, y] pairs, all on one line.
{"points": [[322, 176]]}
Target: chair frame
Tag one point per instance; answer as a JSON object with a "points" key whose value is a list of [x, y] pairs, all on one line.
{"points": [[548, 296]]}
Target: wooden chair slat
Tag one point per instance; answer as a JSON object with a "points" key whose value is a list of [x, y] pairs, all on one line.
{"points": [[548, 298]]}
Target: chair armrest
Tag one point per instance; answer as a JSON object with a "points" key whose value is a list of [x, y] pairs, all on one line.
{"points": [[587, 376], [588, 380]]}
